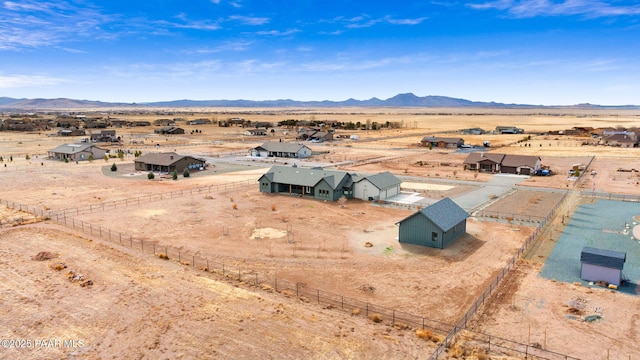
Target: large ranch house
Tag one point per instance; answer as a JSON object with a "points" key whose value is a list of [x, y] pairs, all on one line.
{"points": [[77, 152], [501, 163], [281, 149], [441, 142], [323, 184], [168, 162]]}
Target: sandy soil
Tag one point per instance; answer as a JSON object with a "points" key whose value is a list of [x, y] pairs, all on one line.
{"points": [[316, 244], [144, 307]]}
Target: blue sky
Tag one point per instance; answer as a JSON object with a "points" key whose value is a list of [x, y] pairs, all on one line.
{"points": [[547, 52]]}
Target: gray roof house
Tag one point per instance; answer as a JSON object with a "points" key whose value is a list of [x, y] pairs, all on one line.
{"points": [[376, 187], [435, 226], [168, 162], [441, 142], [281, 149], [602, 265], [506, 164], [316, 182], [77, 152]]}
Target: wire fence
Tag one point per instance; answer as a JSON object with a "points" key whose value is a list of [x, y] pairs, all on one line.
{"points": [[609, 196], [486, 294], [117, 204], [498, 346], [356, 307]]}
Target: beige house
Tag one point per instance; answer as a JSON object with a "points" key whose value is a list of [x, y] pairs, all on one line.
{"points": [[77, 152]]}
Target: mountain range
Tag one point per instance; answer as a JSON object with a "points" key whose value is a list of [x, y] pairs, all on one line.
{"points": [[400, 100]]}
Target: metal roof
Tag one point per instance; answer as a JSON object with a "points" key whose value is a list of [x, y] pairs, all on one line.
{"points": [[281, 147], [162, 159], [383, 180], [71, 148], [305, 176], [601, 257], [445, 214]]}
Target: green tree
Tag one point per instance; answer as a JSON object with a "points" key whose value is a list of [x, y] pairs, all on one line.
{"points": [[186, 173], [150, 175], [174, 175], [121, 155], [27, 157], [91, 158], [114, 167], [105, 157]]}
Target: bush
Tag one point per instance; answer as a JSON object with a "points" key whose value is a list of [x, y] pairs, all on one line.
{"points": [[150, 175], [174, 175], [27, 157], [114, 167], [376, 318], [105, 157], [185, 173]]}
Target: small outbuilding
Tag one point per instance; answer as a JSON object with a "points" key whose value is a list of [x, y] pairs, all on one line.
{"points": [[602, 265], [435, 226]]}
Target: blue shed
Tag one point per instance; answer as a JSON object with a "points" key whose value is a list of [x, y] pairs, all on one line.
{"points": [[435, 226], [602, 265]]}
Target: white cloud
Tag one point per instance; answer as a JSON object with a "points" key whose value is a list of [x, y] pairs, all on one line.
{"points": [[250, 20], [277, 32], [532, 8], [16, 81], [38, 24]]}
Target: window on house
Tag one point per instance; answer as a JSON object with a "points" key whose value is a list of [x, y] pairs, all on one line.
{"points": [[434, 236]]}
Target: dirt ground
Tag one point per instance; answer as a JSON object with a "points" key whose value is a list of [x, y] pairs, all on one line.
{"points": [[289, 238], [143, 307]]}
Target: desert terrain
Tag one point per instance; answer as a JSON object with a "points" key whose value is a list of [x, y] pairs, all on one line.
{"points": [[169, 278]]}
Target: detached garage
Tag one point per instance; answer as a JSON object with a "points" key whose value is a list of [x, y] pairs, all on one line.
{"points": [[435, 226], [602, 265]]}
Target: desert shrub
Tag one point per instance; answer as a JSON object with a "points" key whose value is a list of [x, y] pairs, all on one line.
{"points": [[186, 173], [273, 208], [174, 175], [235, 206], [376, 318], [424, 334], [150, 175], [355, 311], [266, 287], [163, 256], [27, 157], [114, 167], [91, 158], [58, 266]]}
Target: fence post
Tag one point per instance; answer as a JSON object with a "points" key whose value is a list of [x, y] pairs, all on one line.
{"points": [[276, 283], [318, 296], [367, 312]]}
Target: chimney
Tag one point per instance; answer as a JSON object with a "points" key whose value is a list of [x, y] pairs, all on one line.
{"points": [[171, 157]]}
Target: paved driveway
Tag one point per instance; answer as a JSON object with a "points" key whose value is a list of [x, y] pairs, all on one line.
{"points": [[498, 185]]}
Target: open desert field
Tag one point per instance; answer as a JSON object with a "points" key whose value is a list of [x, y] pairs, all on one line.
{"points": [[348, 250]]}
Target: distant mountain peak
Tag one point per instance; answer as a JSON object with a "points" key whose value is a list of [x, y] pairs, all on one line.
{"points": [[399, 100]]}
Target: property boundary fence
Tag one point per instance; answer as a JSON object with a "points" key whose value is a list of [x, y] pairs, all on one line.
{"points": [[356, 307], [486, 294], [609, 196], [110, 205], [501, 346], [311, 294]]}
